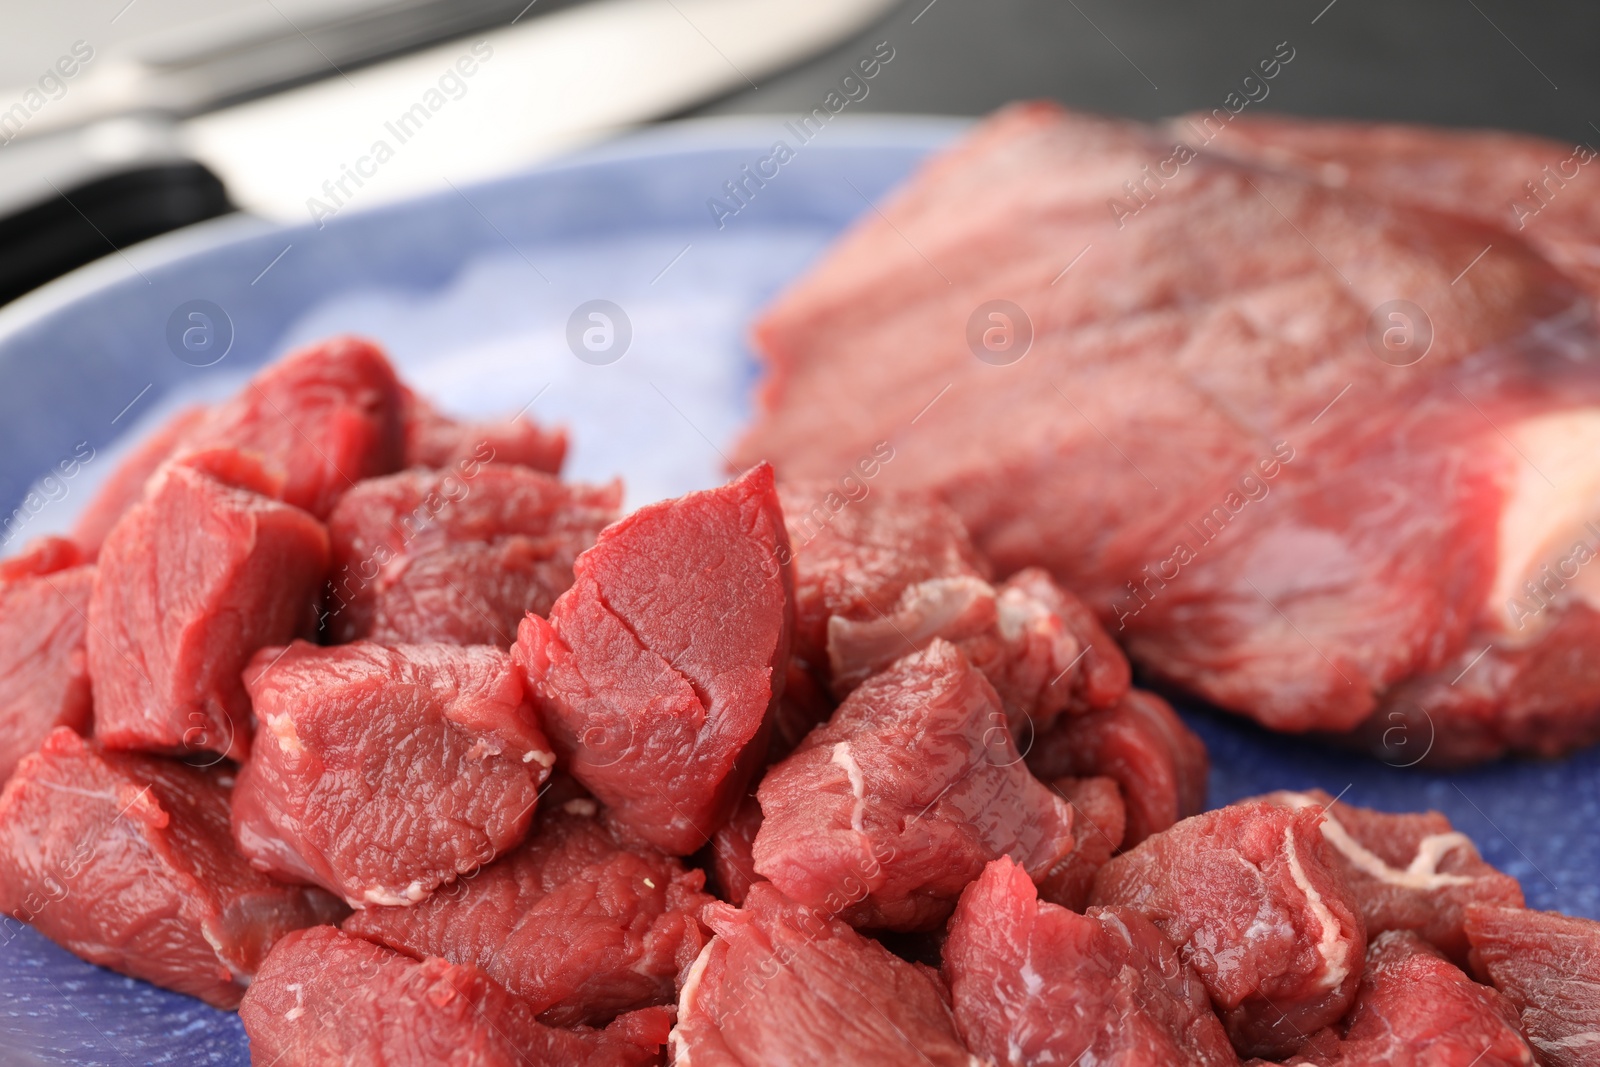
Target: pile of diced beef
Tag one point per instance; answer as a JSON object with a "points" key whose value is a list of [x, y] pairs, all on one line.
{"points": [[357, 719]]}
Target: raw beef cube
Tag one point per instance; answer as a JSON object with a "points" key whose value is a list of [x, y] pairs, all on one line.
{"points": [[126, 860], [1157, 760], [1034, 983], [781, 986], [1408, 872], [1548, 966], [383, 773], [733, 852], [44, 672], [321, 419], [1251, 897], [125, 485], [326, 998], [656, 672], [1416, 1009], [459, 555], [1099, 820], [206, 569], [884, 815], [574, 924], [435, 440]]}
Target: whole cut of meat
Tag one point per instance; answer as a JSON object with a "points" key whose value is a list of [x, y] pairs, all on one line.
{"points": [[573, 923], [324, 997], [1250, 896], [1099, 824], [1034, 983], [1548, 966], [44, 669], [782, 986], [126, 860], [656, 672], [433, 439], [1414, 1008], [1407, 872], [1297, 456], [203, 571], [457, 555], [883, 815], [382, 773]]}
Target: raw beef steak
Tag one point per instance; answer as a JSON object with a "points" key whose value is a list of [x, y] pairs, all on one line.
{"points": [[655, 673], [782, 986], [883, 815], [1099, 821], [733, 859], [574, 924], [1407, 872], [383, 773], [1034, 983], [206, 569], [458, 556], [125, 485], [1251, 897], [1548, 966], [44, 670], [1219, 428], [1141, 743], [127, 861], [434, 440], [326, 998], [1416, 1009]]}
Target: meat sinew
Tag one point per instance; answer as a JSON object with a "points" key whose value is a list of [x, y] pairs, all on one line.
{"points": [[458, 555], [383, 773], [782, 986], [575, 924], [206, 569], [656, 672], [1285, 519], [126, 860], [1251, 897], [324, 997], [883, 815], [1034, 983], [44, 672], [1548, 966], [1407, 872]]}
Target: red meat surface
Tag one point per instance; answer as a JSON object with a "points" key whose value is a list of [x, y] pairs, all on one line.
{"points": [[1034, 983], [125, 485], [44, 670], [206, 569], [781, 986], [1407, 872], [383, 773], [458, 555], [884, 815], [1202, 441], [1416, 1009], [733, 859], [656, 672], [1251, 897], [1099, 821], [576, 925], [434, 440], [1141, 743], [804, 705], [324, 997], [126, 861], [1548, 966]]}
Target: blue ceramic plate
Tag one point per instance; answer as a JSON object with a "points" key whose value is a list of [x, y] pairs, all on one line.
{"points": [[473, 292]]}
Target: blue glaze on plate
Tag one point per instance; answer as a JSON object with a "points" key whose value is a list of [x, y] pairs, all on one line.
{"points": [[471, 292]]}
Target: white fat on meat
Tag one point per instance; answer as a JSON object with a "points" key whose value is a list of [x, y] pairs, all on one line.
{"points": [[281, 727], [1550, 523], [691, 989], [1333, 948], [951, 608], [1421, 874], [411, 894], [843, 759]]}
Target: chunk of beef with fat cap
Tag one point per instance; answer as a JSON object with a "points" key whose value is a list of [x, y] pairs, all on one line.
{"points": [[382, 773], [44, 667], [126, 860], [883, 815], [1548, 966], [1035, 983], [656, 673], [1250, 895]]}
